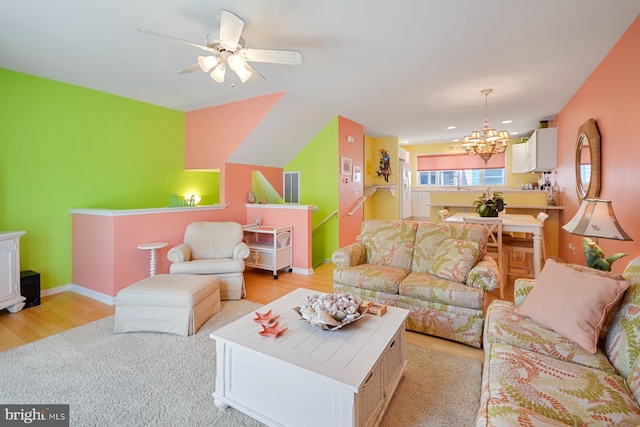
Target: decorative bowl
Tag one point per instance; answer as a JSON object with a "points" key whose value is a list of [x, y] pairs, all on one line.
{"points": [[331, 311]]}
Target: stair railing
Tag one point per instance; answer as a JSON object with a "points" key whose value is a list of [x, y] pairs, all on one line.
{"points": [[357, 205], [324, 221]]}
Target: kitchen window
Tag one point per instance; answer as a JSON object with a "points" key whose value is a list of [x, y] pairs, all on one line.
{"points": [[457, 170], [462, 177]]}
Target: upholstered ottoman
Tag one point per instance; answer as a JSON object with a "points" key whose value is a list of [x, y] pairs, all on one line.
{"points": [[171, 303]]}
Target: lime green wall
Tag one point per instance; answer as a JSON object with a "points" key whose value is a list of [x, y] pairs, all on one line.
{"points": [[262, 189], [64, 147], [319, 176]]}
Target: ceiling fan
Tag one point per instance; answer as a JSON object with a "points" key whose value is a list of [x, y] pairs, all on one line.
{"points": [[227, 48]]}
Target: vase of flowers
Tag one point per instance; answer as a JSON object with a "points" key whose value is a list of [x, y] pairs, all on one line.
{"points": [[489, 203]]}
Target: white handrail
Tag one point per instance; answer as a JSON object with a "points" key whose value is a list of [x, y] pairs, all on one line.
{"points": [[325, 220], [357, 205]]}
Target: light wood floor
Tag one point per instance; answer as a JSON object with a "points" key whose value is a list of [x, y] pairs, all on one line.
{"points": [[66, 310]]}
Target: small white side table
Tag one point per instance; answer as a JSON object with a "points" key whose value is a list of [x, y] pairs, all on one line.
{"points": [[152, 248]]}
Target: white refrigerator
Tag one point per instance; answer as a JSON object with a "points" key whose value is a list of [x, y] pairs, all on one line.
{"points": [[405, 183]]}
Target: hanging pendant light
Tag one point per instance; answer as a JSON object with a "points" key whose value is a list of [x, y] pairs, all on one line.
{"points": [[486, 142]]}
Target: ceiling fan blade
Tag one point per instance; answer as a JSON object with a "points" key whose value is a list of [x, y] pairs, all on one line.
{"points": [[153, 33], [256, 77], [290, 57], [190, 69], [231, 26]]}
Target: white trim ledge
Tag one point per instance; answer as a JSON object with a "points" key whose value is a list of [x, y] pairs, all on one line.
{"points": [[127, 212], [279, 206]]}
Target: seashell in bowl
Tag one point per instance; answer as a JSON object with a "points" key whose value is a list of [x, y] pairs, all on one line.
{"points": [[323, 318], [331, 311], [307, 313]]}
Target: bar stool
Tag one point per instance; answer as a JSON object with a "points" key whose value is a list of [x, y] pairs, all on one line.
{"points": [[443, 214]]}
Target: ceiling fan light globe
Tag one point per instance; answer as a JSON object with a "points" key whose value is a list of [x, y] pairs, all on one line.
{"points": [[244, 74], [218, 73], [217, 77], [206, 63], [236, 62]]}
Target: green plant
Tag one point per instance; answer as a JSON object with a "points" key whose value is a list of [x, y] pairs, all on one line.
{"points": [[595, 258], [489, 201]]}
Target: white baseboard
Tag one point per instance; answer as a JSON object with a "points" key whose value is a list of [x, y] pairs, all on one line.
{"points": [[326, 261], [304, 271], [98, 296], [56, 290], [108, 299]]}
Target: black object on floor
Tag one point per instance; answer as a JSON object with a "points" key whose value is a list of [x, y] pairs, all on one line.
{"points": [[30, 287]]}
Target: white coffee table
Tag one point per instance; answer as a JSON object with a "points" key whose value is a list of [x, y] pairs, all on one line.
{"points": [[308, 376]]}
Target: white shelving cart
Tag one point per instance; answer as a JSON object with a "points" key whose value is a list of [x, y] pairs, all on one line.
{"points": [[270, 247]]}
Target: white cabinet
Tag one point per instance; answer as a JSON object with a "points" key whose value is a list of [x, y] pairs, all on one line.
{"points": [[543, 150], [270, 247], [420, 205], [10, 297], [538, 154], [519, 160]]}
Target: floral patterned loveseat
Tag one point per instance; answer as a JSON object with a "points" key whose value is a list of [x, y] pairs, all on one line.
{"points": [[438, 271], [535, 376]]}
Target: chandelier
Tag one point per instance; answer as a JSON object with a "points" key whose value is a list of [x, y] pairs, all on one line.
{"points": [[486, 142]]}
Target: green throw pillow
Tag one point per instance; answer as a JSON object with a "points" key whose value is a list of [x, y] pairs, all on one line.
{"points": [[454, 259]]}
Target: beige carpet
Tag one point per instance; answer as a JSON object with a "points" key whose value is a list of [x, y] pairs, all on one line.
{"points": [[149, 379]]}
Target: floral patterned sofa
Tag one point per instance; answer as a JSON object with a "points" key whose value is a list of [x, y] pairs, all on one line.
{"points": [[438, 271], [535, 376]]}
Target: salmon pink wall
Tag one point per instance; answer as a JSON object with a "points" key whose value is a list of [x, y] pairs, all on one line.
{"points": [[105, 257], [296, 216], [92, 252], [238, 184], [350, 192], [611, 96], [213, 134]]}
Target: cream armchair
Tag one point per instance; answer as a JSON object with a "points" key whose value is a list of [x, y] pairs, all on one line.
{"points": [[213, 248]]}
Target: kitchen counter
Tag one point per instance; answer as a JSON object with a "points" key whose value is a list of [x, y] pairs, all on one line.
{"points": [[517, 201], [507, 205], [463, 190]]}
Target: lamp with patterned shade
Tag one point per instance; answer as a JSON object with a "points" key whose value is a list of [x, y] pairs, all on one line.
{"points": [[596, 218]]}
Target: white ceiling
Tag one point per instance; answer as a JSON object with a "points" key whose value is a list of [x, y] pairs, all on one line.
{"points": [[404, 68]]}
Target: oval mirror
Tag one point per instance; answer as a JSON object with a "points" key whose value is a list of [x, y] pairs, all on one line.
{"points": [[588, 161], [585, 164]]}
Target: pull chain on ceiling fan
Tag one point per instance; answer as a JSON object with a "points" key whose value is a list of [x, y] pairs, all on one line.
{"points": [[228, 48]]}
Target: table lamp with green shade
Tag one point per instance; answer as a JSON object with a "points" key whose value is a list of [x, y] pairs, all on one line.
{"points": [[595, 218]]}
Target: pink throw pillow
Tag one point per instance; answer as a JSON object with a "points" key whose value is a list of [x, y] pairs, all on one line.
{"points": [[572, 303]]}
